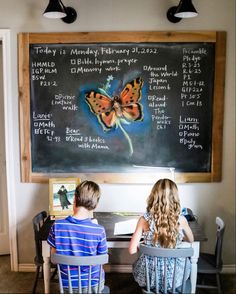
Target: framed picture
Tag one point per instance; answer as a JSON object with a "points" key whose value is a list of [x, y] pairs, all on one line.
{"points": [[61, 194]]}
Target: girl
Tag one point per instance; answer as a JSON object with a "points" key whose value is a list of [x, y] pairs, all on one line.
{"points": [[162, 226]]}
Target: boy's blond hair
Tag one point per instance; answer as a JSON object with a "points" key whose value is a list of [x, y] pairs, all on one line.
{"points": [[87, 194]]}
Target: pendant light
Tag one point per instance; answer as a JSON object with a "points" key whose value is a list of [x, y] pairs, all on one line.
{"points": [[56, 9], [185, 9]]}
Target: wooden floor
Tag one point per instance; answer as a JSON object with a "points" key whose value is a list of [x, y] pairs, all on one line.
{"points": [[119, 283]]}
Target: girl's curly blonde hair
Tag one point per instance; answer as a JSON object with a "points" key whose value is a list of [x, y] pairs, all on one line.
{"points": [[164, 206]]}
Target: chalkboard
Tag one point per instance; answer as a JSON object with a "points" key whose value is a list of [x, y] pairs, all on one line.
{"points": [[122, 106]]}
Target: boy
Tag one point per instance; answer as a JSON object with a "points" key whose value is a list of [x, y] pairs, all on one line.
{"points": [[77, 235]]}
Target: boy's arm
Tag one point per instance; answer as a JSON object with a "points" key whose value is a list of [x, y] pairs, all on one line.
{"points": [[102, 245], [51, 239]]}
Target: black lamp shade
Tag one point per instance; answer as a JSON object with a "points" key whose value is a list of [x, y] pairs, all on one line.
{"points": [[55, 9], [71, 15], [185, 9]]}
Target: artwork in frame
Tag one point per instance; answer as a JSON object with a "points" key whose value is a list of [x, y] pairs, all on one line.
{"points": [[61, 194]]}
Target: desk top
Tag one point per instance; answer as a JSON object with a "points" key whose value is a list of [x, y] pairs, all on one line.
{"points": [[108, 220]]}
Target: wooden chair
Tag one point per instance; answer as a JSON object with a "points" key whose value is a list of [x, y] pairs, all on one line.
{"points": [[78, 261], [211, 264], [166, 253], [38, 221]]}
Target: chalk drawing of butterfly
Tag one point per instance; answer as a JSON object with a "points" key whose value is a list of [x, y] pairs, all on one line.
{"points": [[111, 111]]}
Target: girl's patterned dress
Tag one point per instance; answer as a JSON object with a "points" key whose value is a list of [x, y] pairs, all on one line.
{"points": [[139, 265]]}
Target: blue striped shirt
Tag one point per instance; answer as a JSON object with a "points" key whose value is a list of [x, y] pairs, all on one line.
{"points": [[71, 236]]}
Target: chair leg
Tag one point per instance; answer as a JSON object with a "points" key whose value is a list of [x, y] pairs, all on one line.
{"points": [[36, 279], [218, 283], [54, 274], [42, 273]]}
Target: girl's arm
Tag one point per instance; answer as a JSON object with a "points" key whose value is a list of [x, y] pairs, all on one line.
{"points": [[188, 235], [134, 243]]}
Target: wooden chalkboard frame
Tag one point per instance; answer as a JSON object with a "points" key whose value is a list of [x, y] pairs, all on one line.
{"points": [[217, 37]]}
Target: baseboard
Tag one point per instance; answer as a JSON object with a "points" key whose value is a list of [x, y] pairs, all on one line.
{"points": [[229, 269], [120, 268], [26, 267]]}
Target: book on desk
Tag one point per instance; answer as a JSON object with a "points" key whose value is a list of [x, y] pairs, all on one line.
{"points": [[125, 227]]}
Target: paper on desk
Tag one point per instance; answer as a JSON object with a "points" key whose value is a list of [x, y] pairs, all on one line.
{"points": [[125, 227], [94, 220]]}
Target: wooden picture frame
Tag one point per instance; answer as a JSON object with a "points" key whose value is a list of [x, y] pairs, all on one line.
{"points": [[61, 194], [144, 176]]}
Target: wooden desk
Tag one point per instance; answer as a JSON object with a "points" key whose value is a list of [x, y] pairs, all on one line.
{"points": [[108, 220]]}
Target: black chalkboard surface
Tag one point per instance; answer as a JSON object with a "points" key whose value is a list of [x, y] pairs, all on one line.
{"points": [[104, 107]]}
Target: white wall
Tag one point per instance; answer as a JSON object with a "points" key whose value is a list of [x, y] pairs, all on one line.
{"points": [[206, 200]]}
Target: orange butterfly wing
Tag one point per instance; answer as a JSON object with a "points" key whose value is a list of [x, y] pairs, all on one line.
{"points": [[101, 105], [108, 119], [132, 92], [133, 112], [129, 97], [98, 103]]}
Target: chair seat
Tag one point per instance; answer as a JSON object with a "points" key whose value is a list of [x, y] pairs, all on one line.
{"points": [[207, 265], [38, 261]]}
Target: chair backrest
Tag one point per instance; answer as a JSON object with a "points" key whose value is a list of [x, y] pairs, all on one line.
{"points": [[78, 262], [38, 221], [166, 254], [219, 241]]}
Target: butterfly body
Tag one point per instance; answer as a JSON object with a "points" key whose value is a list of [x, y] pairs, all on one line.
{"points": [[125, 106], [117, 106]]}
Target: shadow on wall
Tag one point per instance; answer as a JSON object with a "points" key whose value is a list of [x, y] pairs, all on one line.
{"points": [[25, 237]]}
